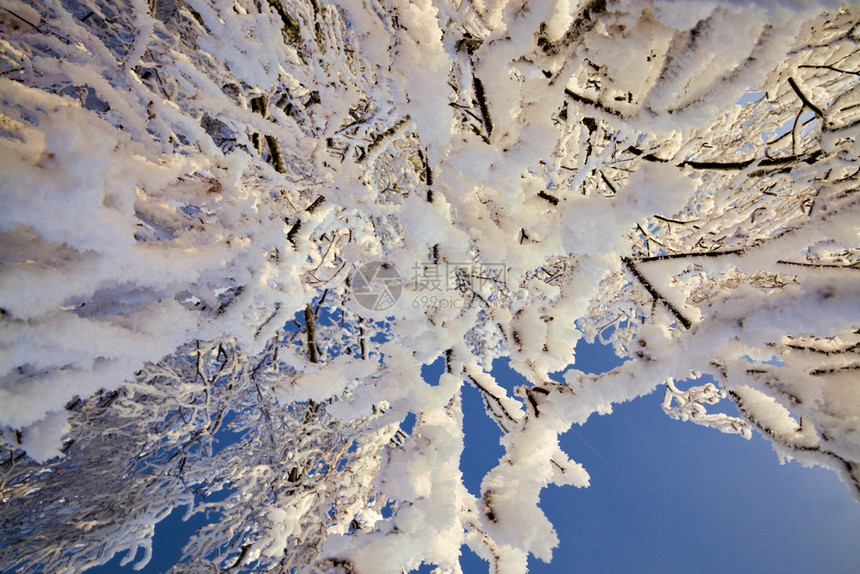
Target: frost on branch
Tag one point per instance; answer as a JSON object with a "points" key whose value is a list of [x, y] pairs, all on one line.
{"points": [[188, 186], [691, 407]]}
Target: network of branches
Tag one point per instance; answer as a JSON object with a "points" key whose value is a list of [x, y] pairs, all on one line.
{"points": [[189, 187]]}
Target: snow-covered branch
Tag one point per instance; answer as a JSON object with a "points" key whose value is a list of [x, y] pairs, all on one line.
{"points": [[191, 187]]}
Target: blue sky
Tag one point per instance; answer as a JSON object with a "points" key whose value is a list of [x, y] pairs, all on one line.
{"points": [[668, 496], [665, 496]]}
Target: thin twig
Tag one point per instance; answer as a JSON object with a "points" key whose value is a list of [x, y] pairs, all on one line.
{"points": [[804, 99], [852, 267], [607, 182], [27, 22], [824, 67], [480, 95], [309, 327], [654, 293], [670, 220], [684, 255]]}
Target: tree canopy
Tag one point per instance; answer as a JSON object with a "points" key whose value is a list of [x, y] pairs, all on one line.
{"points": [[262, 218]]}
